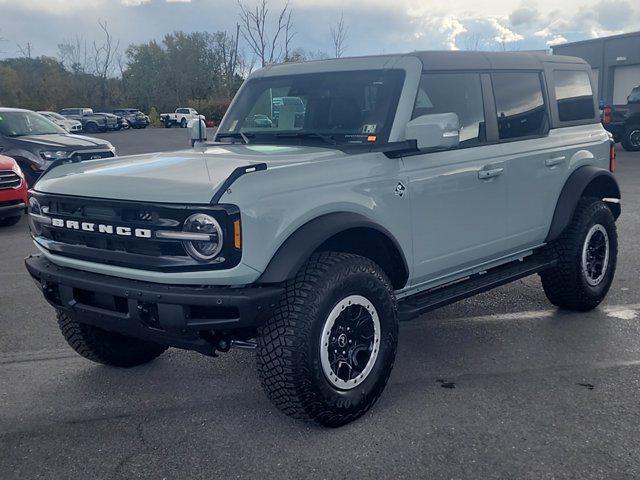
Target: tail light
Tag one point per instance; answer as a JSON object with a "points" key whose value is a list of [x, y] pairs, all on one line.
{"points": [[612, 158], [606, 115]]}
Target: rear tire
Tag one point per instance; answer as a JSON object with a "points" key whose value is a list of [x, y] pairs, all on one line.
{"points": [[587, 252], [337, 301], [105, 347], [91, 127], [9, 221], [631, 139]]}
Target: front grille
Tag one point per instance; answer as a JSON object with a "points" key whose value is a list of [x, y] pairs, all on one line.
{"points": [[9, 179], [79, 156], [129, 251]]}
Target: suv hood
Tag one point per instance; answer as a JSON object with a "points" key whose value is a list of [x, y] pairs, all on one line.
{"points": [[189, 177], [61, 141]]}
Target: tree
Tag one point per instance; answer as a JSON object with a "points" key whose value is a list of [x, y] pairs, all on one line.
{"points": [[104, 55], [269, 47], [339, 33]]}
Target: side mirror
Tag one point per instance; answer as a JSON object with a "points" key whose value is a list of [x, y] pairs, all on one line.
{"points": [[197, 131], [437, 131]]}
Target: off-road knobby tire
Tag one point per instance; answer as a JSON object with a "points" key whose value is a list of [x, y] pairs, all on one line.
{"points": [[288, 353], [626, 139], [565, 285], [105, 347], [10, 221]]}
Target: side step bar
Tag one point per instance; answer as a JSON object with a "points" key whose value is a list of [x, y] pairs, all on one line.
{"points": [[420, 303]]}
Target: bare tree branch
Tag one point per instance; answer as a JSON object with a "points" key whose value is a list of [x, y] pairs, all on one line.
{"points": [[339, 34], [268, 48], [25, 50]]}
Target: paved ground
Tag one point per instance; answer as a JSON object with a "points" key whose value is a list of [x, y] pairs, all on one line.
{"points": [[538, 393]]}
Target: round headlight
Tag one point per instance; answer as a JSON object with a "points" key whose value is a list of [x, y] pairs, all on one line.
{"points": [[209, 229]]}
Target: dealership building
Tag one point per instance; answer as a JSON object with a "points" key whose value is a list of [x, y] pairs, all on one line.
{"points": [[615, 61]]}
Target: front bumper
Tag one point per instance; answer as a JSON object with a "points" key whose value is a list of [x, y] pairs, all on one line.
{"points": [[10, 208], [179, 316]]}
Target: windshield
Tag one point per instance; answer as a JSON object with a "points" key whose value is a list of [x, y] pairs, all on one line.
{"points": [[57, 116], [334, 107], [18, 124]]}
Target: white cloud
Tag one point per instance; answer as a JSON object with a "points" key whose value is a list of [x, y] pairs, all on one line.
{"points": [[556, 40], [504, 34]]}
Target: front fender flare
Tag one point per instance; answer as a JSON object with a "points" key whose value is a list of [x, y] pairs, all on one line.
{"points": [[589, 180], [296, 249]]}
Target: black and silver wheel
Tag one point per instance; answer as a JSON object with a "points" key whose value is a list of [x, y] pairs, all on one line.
{"points": [[328, 349], [350, 342], [587, 252], [183, 123], [595, 255], [631, 139]]}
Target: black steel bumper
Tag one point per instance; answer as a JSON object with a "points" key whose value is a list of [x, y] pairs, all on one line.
{"points": [[178, 316]]}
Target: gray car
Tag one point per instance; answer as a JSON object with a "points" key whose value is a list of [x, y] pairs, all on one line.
{"points": [[91, 122], [35, 142], [384, 187]]}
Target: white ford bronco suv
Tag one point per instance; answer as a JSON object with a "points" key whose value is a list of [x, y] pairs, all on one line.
{"points": [[384, 187]]}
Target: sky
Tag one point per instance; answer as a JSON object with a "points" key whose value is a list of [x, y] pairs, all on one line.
{"points": [[374, 26]]}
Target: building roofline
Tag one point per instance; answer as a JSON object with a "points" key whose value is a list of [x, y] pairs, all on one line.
{"points": [[599, 39]]}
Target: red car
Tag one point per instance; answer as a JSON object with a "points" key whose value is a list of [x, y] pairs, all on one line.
{"points": [[13, 192]]}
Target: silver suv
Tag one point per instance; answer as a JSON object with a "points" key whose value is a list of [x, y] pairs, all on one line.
{"points": [[338, 198]]}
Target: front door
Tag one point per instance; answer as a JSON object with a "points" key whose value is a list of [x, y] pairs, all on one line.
{"points": [[458, 197]]}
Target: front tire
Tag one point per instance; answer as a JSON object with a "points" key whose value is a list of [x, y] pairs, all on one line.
{"points": [[587, 252], [327, 352], [631, 139], [91, 127], [105, 347], [183, 123], [9, 221]]}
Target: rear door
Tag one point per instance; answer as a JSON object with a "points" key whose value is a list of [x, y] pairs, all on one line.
{"points": [[539, 158], [458, 197]]}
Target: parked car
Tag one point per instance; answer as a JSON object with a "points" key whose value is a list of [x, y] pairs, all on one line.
{"points": [[181, 117], [115, 122], [412, 181], [623, 121], [35, 142], [71, 126], [134, 117], [13, 192], [91, 122]]}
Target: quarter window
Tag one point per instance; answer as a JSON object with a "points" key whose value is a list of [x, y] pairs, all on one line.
{"points": [[574, 95], [459, 93], [519, 104]]}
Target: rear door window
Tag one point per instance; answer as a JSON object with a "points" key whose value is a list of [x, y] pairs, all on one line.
{"points": [[574, 95], [459, 93], [520, 104]]}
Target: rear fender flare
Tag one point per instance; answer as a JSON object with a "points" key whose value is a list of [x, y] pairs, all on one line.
{"points": [[585, 181]]}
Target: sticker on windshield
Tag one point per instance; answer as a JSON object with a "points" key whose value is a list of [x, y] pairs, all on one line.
{"points": [[369, 128]]}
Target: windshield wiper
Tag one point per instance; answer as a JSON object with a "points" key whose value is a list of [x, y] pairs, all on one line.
{"points": [[325, 138], [243, 136]]}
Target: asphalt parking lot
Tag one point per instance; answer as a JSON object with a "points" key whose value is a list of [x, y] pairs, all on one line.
{"points": [[532, 392]]}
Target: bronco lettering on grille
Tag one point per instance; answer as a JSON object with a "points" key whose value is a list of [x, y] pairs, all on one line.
{"points": [[101, 228]]}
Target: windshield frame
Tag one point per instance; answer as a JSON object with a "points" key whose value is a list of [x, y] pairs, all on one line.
{"points": [[318, 136], [55, 129]]}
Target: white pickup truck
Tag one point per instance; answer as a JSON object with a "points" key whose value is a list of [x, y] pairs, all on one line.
{"points": [[181, 117]]}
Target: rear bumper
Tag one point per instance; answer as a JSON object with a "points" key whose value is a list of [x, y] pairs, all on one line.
{"points": [[178, 316]]}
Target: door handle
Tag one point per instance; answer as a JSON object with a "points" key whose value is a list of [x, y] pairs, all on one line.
{"points": [[552, 162], [490, 173]]}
